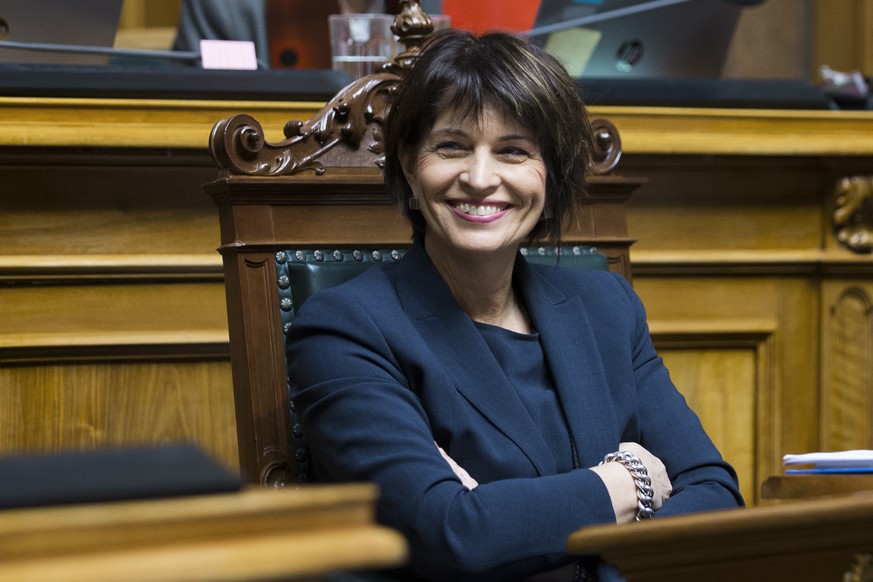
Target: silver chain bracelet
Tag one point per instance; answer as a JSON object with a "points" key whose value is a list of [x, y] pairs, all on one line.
{"points": [[645, 493]]}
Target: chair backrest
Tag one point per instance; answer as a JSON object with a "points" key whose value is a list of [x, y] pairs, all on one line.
{"points": [[322, 188], [303, 272], [300, 273]]}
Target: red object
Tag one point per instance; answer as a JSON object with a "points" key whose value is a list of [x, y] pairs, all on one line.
{"points": [[297, 32], [484, 15]]}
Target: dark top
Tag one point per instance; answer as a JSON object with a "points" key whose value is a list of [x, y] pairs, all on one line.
{"points": [[522, 360]]}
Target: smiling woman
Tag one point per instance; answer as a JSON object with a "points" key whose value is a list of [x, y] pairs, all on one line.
{"points": [[499, 405]]}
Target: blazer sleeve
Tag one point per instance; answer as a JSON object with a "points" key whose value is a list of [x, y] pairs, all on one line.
{"points": [[669, 429], [354, 387]]}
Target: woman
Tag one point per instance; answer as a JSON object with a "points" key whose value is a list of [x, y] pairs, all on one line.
{"points": [[479, 392]]}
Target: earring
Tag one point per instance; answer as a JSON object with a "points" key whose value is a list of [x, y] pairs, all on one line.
{"points": [[547, 213], [413, 203]]}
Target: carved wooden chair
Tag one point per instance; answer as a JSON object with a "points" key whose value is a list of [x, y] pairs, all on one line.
{"points": [[320, 191]]}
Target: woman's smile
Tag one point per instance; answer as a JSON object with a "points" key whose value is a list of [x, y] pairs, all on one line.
{"points": [[477, 212]]}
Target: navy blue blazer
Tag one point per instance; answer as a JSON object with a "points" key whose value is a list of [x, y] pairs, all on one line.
{"points": [[388, 363]]}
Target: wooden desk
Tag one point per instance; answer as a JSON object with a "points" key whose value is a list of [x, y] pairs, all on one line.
{"points": [[806, 541], [254, 535]]}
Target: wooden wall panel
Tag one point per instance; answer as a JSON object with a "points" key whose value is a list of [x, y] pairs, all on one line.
{"points": [[847, 366], [106, 204], [725, 361], [744, 351], [720, 382], [726, 204], [82, 313], [55, 407], [86, 363], [114, 326]]}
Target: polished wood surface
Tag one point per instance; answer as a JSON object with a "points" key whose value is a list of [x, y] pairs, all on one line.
{"points": [[33, 122], [114, 329], [803, 541], [699, 131], [253, 535], [131, 123], [809, 486]]}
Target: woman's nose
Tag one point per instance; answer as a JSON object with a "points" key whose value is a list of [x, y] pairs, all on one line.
{"points": [[481, 173]]}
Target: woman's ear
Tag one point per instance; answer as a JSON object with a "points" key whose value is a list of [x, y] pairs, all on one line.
{"points": [[407, 165]]}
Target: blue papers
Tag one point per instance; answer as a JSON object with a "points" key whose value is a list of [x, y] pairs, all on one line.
{"points": [[841, 462], [846, 471]]}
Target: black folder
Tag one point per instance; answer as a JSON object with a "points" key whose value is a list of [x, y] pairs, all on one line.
{"points": [[111, 475]]}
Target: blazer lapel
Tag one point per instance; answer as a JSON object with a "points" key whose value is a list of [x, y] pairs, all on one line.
{"points": [[574, 359], [454, 339]]}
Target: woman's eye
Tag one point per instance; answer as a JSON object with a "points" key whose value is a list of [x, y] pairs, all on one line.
{"points": [[450, 148], [514, 153]]}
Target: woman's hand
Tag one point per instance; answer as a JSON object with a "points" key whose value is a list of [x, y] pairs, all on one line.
{"points": [[656, 470], [462, 474], [622, 488]]}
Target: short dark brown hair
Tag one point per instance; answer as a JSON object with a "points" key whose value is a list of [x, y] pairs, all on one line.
{"points": [[523, 80]]}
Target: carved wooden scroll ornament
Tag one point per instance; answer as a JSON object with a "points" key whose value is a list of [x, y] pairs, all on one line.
{"points": [[853, 215], [861, 570]]}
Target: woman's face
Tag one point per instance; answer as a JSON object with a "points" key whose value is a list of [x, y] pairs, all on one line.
{"points": [[480, 183]]}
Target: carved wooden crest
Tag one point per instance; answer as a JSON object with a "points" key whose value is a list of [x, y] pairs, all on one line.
{"points": [[853, 214], [347, 132], [861, 569]]}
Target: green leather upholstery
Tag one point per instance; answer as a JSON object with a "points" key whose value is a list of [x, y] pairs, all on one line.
{"points": [[302, 272], [574, 257]]}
